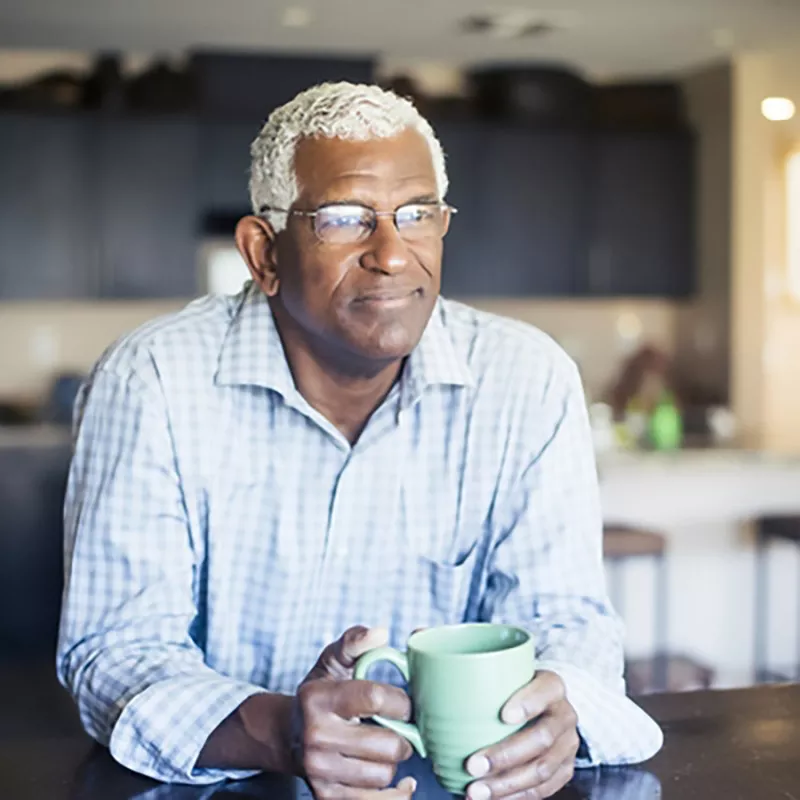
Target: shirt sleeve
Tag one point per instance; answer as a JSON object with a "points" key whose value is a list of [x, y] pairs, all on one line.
{"points": [[545, 574], [127, 650]]}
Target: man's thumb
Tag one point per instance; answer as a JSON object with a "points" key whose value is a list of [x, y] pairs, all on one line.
{"points": [[357, 641]]}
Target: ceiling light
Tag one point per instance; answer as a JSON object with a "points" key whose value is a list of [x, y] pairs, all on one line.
{"points": [[296, 17], [777, 109]]}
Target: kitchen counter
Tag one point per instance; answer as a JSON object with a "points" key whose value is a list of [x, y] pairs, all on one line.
{"points": [[704, 501]]}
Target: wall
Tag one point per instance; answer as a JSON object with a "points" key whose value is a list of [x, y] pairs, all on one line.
{"points": [[48, 337], [765, 337], [703, 345]]}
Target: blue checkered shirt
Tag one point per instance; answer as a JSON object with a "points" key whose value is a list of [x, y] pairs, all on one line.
{"points": [[220, 531]]}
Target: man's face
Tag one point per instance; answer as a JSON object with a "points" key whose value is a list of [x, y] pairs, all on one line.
{"points": [[370, 300]]}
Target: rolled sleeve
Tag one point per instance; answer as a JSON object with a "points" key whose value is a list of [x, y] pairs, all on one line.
{"points": [[129, 643], [546, 575], [613, 728], [162, 730]]}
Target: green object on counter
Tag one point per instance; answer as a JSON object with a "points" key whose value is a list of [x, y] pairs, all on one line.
{"points": [[666, 424]]}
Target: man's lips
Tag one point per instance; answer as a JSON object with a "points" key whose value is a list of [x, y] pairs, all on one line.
{"points": [[389, 298]]}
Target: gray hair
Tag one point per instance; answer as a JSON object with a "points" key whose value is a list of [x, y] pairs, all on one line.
{"points": [[331, 110]]}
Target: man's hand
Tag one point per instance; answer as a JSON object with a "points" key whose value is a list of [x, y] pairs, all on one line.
{"points": [[538, 760], [337, 755]]}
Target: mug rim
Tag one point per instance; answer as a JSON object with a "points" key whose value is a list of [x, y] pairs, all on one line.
{"points": [[464, 626]]}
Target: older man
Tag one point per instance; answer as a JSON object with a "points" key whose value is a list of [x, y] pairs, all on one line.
{"points": [[335, 447]]}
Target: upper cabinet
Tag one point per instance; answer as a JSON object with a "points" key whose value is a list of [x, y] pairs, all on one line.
{"points": [[534, 218], [145, 207], [114, 205], [224, 165], [463, 264], [522, 201], [641, 233], [45, 222]]}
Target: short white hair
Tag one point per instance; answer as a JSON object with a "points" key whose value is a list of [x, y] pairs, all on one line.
{"points": [[357, 112]]}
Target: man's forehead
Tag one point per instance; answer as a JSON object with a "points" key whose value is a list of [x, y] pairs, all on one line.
{"points": [[402, 157]]}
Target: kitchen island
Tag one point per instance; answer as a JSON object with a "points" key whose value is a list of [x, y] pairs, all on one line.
{"points": [[704, 501]]}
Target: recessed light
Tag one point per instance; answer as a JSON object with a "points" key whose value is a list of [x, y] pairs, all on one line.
{"points": [[296, 17], [777, 109]]}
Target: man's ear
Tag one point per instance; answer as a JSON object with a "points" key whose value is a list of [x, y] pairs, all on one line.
{"points": [[256, 241]]}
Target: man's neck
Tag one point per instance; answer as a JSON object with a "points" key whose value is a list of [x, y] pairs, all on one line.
{"points": [[343, 390]]}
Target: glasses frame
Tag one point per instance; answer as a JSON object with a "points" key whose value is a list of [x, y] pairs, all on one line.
{"points": [[312, 215]]}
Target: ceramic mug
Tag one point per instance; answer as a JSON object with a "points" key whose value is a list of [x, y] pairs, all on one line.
{"points": [[460, 677]]}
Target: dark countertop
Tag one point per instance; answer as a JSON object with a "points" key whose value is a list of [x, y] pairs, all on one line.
{"points": [[735, 745]]}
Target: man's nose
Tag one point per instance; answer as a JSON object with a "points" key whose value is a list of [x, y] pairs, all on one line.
{"points": [[386, 251]]}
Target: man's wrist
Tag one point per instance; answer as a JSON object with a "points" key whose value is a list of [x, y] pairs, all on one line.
{"points": [[256, 736]]}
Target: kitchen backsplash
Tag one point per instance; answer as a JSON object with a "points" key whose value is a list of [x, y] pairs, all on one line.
{"points": [[42, 339]]}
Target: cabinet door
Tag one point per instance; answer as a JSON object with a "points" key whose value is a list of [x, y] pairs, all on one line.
{"points": [[463, 262], [642, 215], [44, 221], [224, 165], [535, 211], [146, 196]]}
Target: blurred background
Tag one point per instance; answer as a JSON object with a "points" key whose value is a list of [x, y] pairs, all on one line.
{"points": [[628, 179]]}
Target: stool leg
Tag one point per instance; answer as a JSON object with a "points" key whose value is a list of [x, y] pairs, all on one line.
{"points": [[761, 610], [661, 623], [797, 643]]}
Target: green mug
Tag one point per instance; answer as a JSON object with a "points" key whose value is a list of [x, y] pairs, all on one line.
{"points": [[460, 677]]}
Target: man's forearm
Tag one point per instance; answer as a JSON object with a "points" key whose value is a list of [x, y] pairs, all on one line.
{"points": [[256, 736]]}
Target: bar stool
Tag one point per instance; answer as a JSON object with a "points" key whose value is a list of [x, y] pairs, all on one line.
{"points": [[769, 529], [662, 672]]}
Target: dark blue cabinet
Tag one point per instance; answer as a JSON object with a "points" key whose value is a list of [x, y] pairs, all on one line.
{"points": [[146, 207], [535, 213], [113, 206], [45, 222], [641, 238]]}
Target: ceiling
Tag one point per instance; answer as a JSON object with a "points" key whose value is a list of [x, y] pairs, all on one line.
{"points": [[604, 38]]}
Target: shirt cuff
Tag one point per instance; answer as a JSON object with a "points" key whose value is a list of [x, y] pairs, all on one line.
{"points": [[612, 727], [161, 732]]}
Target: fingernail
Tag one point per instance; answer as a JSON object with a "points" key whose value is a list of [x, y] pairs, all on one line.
{"points": [[408, 784], [513, 715], [479, 791], [478, 766]]}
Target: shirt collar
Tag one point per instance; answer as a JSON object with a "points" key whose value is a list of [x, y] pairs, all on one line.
{"points": [[252, 353], [434, 361]]}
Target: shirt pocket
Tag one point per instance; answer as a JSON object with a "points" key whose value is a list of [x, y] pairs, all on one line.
{"points": [[448, 585]]}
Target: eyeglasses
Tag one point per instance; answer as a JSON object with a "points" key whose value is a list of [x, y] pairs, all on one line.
{"points": [[350, 223]]}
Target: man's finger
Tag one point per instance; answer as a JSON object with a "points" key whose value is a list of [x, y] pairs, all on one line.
{"points": [[371, 743], [547, 789], [368, 698], [328, 766], [533, 699], [527, 745], [403, 791], [530, 774]]}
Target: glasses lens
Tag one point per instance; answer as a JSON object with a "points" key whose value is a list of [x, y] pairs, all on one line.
{"points": [[343, 224], [421, 221]]}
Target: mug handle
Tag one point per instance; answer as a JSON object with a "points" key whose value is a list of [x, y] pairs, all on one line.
{"points": [[400, 660]]}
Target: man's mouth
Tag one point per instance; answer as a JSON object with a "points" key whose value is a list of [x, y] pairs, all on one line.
{"points": [[388, 299]]}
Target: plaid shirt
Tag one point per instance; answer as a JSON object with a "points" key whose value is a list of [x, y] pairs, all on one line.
{"points": [[220, 531]]}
